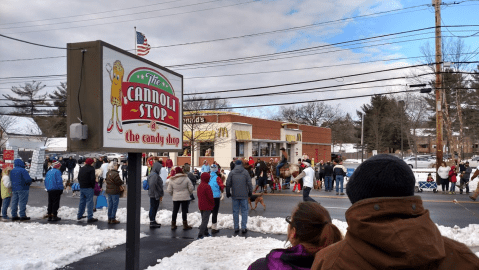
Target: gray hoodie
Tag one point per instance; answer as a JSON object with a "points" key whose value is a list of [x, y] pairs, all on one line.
{"points": [[238, 184], [155, 182]]}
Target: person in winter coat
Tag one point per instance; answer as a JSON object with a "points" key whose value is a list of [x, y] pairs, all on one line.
{"points": [[205, 167], [54, 187], [217, 187], [113, 189], [239, 187], [155, 192], [63, 166], [388, 227], [443, 172], [180, 188], [169, 164], [476, 192], [339, 171], [86, 179], [21, 182], [328, 177], [97, 163], [104, 171], [453, 179], [465, 175], [45, 165], [232, 163], [310, 229], [308, 180], [6, 192], [192, 177], [206, 204], [124, 172], [71, 164], [261, 173]]}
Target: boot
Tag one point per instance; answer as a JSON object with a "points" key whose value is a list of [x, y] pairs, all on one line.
{"points": [[54, 218], [185, 225], [154, 225], [173, 225], [49, 217], [114, 221], [213, 228]]}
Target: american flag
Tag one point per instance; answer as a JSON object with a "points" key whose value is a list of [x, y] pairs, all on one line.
{"points": [[142, 46]]}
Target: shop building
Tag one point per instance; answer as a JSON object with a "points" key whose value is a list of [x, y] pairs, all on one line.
{"points": [[220, 136]]}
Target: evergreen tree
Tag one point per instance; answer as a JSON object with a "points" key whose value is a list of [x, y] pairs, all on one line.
{"points": [[59, 97], [28, 102]]}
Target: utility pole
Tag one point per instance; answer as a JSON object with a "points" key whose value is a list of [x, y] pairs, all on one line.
{"points": [[438, 88]]}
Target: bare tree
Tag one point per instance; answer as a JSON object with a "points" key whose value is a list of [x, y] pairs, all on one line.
{"points": [[194, 130], [313, 114], [28, 99]]}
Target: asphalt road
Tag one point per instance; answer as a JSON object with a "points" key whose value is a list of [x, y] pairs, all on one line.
{"points": [[442, 209]]}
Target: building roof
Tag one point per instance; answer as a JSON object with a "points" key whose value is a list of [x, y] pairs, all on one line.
{"points": [[17, 125], [424, 132]]}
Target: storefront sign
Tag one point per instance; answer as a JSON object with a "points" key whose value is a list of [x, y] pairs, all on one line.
{"points": [[8, 154], [142, 104], [195, 120], [222, 132]]}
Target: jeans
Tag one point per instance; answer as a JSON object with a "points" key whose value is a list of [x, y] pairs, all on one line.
{"points": [[184, 210], [113, 201], [70, 173], [328, 182], [465, 183], [54, 197], [19, 198], [205, 217], [237, 204], [281, 164], [306, 197], [339, 182], [86, 199], [154, 204], [5, 205], [453, 187]]}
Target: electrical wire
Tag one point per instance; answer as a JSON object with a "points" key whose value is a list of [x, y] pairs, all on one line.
{"points": [[36, 44]]}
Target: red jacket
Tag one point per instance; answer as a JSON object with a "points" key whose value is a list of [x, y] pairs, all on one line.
{"points": [[205, 196], [169, 163]]}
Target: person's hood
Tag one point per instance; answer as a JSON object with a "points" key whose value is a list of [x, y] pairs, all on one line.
{"points": [[394, 233], [19, 163], [156, 167], [179, 177], [453, 167], [238, 168]]}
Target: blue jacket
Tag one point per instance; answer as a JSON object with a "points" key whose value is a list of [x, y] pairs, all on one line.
{"points": [[214, 185], [20, 178], [53, 180], [205, 168]]}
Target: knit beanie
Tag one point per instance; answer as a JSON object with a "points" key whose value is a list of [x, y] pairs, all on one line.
{"points": [[238, 162], [178, 170], [89, 161], [56, 165], [381, 176]]}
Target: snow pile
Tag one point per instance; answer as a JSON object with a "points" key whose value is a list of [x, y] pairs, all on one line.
{"points": [[39, 246], [215, 253], [468, 235]]}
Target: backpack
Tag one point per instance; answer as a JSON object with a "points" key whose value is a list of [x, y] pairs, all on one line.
{"points": [[145, 184]]}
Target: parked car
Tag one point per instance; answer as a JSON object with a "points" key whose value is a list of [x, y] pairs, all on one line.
{"points": [[474, 162], [112, 156], [422, 162]]}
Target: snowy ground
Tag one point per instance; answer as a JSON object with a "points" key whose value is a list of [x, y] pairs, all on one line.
{"points": [[209, 253], [39, 246]]}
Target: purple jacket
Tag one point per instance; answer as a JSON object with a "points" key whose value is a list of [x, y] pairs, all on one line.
{"points": [[291, 258]]}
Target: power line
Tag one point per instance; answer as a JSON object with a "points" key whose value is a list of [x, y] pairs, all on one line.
{"points": [[36, 44], [113, 16]]}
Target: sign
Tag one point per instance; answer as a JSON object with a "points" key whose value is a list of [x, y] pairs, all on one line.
{"points": [[142, 104], [196, 120], [222, 132], [8, 154]]}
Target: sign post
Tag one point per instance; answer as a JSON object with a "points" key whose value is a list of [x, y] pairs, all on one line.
{"points": [[133, 212]]}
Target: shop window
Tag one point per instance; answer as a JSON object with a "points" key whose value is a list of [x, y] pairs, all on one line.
{"points": [[255, 151], [275, 149], [186, 150], [207, 149], [423, 145], [264, 149], [240, 149]]}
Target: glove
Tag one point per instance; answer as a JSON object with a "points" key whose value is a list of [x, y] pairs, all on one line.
{"points": [[228, 194]]}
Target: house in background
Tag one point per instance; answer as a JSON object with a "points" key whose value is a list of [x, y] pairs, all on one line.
{"points": [[21, 134]]}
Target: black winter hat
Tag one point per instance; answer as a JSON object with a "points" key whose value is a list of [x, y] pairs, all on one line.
{"points": [[381, 176]]}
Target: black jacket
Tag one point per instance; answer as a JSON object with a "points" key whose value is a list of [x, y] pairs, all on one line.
{"points": [[64, 166], [232, 165], [71, 163], [86, 177], [328, 170]]}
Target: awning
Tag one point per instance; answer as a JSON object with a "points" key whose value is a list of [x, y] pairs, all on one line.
{"points": [[205, 135], [186, 135], [242, 135]]}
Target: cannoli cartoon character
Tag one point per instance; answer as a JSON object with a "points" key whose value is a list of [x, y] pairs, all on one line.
{"points": [[116, 76]]}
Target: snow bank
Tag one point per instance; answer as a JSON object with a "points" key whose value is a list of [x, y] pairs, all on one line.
{"points": [[468, 235], [215, 253], [39, 246]]}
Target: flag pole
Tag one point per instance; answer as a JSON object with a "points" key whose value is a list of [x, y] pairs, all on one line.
{"points": [[136, 53]]}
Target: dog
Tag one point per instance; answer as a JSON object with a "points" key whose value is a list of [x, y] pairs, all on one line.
{"points": [[256, 199]]}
